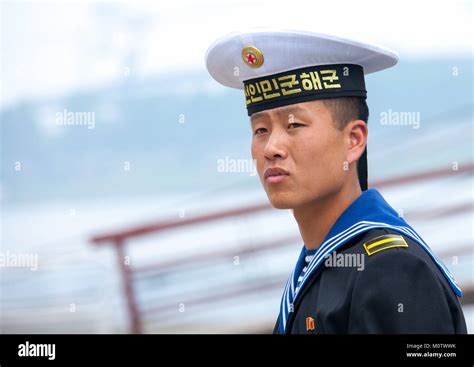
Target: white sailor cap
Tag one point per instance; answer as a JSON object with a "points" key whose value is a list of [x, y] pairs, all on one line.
{"points": [[282, 67]]}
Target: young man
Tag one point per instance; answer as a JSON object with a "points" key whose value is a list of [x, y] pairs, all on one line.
{"points": [[362, 269]]}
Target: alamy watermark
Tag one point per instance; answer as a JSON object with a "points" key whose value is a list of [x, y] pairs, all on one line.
{"points": [[19, 260], [85, 118], [400, 118], [237, 165], [37, 350], [335, 260]]}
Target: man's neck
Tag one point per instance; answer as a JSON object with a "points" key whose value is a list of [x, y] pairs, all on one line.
{"points": [[316, 219]]}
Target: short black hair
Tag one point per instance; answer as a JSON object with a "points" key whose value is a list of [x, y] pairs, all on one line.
{"points": [[346, 109]]}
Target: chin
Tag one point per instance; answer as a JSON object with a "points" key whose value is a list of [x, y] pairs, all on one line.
{"points": [[281, 201]]}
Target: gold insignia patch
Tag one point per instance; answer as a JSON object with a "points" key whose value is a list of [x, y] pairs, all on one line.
{"points": [[383, 243], [252, 56], [309, 324]]}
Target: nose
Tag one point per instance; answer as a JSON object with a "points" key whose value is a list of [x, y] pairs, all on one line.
{"points": [[275, 148]]}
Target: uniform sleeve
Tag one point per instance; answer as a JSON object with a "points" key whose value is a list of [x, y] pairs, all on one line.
{"points": [[398, 293]]}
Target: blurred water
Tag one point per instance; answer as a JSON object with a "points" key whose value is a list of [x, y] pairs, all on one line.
{"points": [[71, 271], [73, 184]]}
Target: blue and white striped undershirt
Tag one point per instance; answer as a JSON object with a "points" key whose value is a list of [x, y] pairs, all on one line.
{"points": [[309, 254]]}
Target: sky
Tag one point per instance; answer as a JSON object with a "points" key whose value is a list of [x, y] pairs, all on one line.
{"points": [[51, 48]]}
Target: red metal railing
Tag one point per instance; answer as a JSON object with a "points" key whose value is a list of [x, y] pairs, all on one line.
{"points": [[118, 239]]}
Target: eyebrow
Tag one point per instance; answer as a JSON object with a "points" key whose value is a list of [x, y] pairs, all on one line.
{"points": [[281, 112]]}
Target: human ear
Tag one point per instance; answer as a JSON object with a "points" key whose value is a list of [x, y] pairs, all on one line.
{"points": [[357, 133]]}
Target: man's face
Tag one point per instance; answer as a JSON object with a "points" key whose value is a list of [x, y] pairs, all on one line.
{"points": [[301, 140]]}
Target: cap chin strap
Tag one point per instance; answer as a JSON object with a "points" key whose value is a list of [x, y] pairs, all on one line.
{"points": [[362, 167]]}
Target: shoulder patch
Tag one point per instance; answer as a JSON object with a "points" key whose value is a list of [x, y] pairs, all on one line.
{"points": [[383, 243]]}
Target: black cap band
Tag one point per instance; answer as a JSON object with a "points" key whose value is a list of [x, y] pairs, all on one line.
{"points": [[303, 85]]}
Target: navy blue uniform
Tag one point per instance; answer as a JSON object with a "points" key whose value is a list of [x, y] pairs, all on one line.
{"points": [[399, 290]]}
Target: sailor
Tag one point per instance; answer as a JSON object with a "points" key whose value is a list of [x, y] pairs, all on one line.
{"points": [[363, 268]]}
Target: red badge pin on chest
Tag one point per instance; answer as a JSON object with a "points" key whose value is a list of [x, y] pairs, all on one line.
{"points": [[309, 324]]}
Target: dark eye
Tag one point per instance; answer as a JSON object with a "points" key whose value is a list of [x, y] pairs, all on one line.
{"points": [[260, 130], [294, 124]]}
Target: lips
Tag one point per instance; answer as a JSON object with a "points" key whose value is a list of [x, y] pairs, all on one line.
{"points": [[275, 174]]}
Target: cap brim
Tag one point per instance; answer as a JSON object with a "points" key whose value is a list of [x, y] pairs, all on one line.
{"points": [[284, 50]]}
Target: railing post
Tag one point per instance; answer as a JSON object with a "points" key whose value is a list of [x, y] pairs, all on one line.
{"points": [[133, 313]]}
